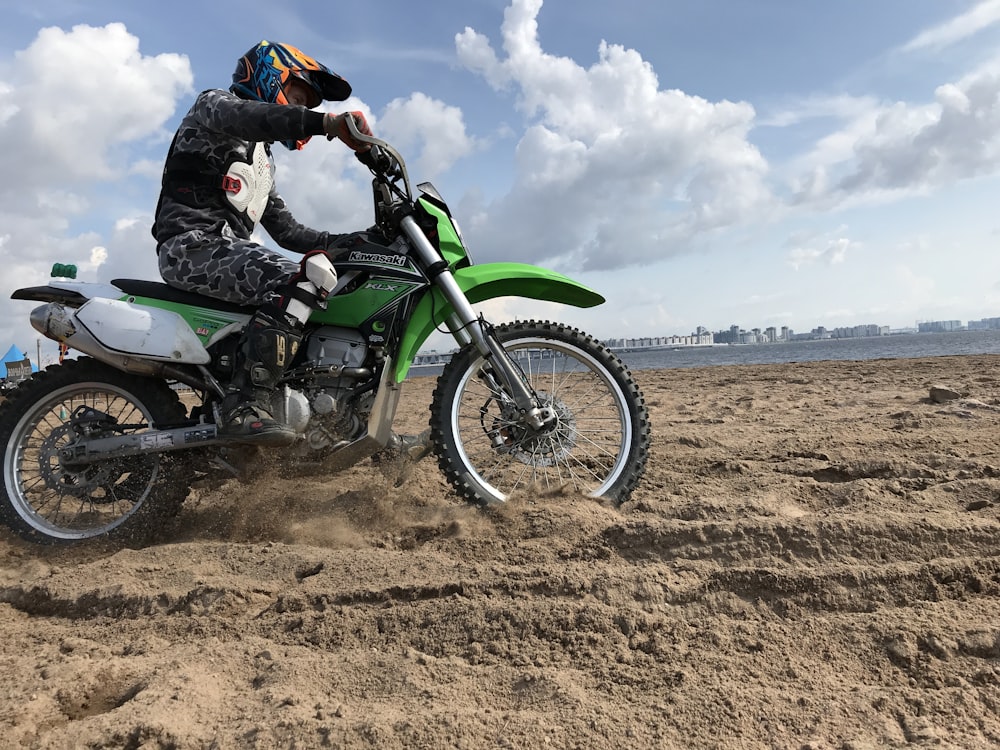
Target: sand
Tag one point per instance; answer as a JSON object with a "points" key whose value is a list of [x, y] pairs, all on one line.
{"points": [[810, 562]]}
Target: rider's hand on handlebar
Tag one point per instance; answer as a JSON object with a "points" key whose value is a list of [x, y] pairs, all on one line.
{"points": [[336, 127]]}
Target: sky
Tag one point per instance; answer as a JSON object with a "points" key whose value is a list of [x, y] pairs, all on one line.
{"points": [[710, 163]]}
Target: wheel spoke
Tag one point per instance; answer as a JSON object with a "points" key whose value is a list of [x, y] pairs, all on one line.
{"points": [[589, 400], [64, 501]]}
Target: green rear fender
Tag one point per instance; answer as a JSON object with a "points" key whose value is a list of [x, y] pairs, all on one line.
{"points": [[489, 281]]}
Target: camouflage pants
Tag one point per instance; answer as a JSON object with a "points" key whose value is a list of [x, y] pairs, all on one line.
{"points": [[225, 268]]}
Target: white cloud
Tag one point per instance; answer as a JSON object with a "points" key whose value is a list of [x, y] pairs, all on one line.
{"points": [[977, 18], [79, 94], [7, 108], [899, 149], [437, 128], [606, 149], [123, 225], [98, 257], [130, 251], [476, 53], [833, 253], [838, 106], [955, 138], [828, 250], [74, 101]]}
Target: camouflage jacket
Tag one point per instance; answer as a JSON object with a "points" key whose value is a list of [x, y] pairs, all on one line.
{"points": [[219, 129]]}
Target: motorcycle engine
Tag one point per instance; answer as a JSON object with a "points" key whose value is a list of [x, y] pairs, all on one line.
{"points": [[320, 406], [342, 347], [343, 351], [291, 407]]}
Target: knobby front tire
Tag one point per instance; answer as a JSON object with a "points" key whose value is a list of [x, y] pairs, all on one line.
{"points": [[125, 500], [598, 445]]}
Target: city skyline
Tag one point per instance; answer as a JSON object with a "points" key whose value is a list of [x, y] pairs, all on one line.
{"points": [[736, 334]]}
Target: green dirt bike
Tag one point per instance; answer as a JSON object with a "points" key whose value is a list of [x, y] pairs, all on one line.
{"points": [[102, 447]]}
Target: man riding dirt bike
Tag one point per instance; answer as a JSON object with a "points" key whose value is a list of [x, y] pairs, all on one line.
{"points": [[218, 185], [102, 447]]}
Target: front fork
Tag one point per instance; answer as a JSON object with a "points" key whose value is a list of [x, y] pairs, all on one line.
{"points": [[469, 328]]}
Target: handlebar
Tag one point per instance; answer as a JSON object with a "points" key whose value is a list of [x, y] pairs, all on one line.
{"points": [[374, 159], [382, 159]]}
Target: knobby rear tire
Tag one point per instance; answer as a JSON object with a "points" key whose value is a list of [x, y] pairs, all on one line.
{"points": [[125, 501]]}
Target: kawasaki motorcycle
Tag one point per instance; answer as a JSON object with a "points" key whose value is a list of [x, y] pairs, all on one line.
{"points": [[103, 447]]}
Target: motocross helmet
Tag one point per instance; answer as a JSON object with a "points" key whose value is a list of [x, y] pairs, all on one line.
{"points": [[262, 73]]}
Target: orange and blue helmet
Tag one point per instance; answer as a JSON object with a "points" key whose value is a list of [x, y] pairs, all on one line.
{"points": [[262, 73]]}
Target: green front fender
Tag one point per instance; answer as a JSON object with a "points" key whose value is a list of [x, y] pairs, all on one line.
{"points": [[489, 281]]}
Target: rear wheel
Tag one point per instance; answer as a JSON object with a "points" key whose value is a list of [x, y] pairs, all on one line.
{"points": [[50, 501], [597, 444]]}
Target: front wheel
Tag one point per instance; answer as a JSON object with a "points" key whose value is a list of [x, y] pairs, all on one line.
{"points": [[49, 501], [597, 443]]}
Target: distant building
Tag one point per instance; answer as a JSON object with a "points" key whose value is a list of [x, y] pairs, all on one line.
{"points": [[939, 326], [862, 331], [986, 324]]}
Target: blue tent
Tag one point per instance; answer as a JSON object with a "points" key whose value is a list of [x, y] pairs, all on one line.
{"points": [[14, 355]]}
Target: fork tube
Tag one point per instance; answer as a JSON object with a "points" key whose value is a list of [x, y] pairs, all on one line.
{"points": [[464, 316], [458, 330], [465, 322]]}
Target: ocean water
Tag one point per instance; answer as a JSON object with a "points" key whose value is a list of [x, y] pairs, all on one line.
{"points": [[902, 346]]}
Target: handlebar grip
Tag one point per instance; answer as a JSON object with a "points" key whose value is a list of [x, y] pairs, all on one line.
{"points": [[375, 159], [367, 158]]}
